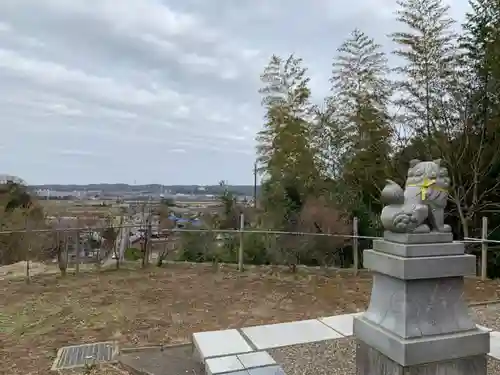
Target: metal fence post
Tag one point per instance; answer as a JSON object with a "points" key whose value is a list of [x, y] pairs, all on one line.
{"points": [[240, 251], [28, 255], [149, 243], [77, 251], [484, 248], [66, 249], [355, 245]]}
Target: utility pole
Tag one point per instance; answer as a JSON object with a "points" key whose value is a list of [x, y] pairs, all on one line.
{"points": [[255, 185]]}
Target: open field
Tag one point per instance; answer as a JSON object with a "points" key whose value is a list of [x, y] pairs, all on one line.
{"points": [[77, 208], [166, 305]]}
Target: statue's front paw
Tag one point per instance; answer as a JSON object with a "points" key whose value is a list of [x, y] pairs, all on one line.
{"points": [[424, 228], [446, 228]]}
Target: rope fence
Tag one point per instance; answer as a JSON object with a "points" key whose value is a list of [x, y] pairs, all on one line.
{"points": [[156, 242]]}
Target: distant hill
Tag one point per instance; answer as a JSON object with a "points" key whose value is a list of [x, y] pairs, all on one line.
{"points": [[152, 188]]}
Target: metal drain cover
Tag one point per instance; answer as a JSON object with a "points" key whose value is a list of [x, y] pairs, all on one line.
{"points": [[80, 355]]}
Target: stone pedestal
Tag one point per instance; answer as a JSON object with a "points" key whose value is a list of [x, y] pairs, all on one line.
{"points": [[417, 321]]}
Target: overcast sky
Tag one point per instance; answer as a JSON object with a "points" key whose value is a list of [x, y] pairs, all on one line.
{"points": [[156, 91]]}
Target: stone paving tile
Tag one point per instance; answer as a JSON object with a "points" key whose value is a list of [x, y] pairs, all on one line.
{"points": [[268, 370], [222, 365], [219, 343], [256, 359], [285, 334], [340, 323], [495, 344]]}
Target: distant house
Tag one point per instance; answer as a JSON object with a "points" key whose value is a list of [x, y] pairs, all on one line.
{"points": [[179, 210], [182, 222]]}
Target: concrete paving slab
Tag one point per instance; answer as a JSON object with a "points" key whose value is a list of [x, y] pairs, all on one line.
{"points": [[341, 323], [221, 365], [483, 328], [494, 344], [293, 333], [269, 370], [256, 359], [219, 343]]}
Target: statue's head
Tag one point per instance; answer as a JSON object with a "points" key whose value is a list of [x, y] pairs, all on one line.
{"points": [[428, 170]]}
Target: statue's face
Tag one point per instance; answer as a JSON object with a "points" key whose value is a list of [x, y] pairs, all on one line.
{"points": [[429, 170]]}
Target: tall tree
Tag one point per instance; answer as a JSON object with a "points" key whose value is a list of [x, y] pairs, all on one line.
{"points": [[479, 139], [481, 45], [446, 101], [329, 139], [361, 92], [428, 51], [286, 154]]}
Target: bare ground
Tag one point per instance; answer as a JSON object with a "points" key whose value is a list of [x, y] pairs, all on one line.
{"points": [[138, 307]]}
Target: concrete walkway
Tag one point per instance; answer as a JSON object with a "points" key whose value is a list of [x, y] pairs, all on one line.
{"points": [[222, 351]]}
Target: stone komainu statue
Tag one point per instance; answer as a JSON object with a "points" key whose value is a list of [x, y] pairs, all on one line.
{"points": [[419, 208]]}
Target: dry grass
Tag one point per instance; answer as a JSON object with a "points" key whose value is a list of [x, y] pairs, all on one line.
{"points": [[166, 305], [77, 208]]}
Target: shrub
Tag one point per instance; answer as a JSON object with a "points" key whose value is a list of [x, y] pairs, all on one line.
{"points": [[256, 249], [132, 254], [197, 247]]}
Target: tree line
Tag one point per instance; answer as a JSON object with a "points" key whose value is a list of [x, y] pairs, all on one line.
{"points": [[439, 99]]}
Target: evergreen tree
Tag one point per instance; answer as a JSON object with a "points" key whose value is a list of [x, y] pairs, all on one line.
{"points": [[481, 46], [479, 139], [329, 140], [450, 98], [359, 73], [429, 51], [361, 93], [286, 155]]}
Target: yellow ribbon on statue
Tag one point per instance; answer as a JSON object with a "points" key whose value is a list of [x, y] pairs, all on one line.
{"points": [[425, 185]]}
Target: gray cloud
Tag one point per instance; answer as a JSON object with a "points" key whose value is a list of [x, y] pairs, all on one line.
{"points": [[154, 90]]}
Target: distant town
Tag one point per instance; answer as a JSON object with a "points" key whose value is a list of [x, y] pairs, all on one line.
{"points": [[125, 193]]}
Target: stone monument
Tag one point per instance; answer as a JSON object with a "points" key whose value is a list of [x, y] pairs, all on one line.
{"points": [[417, 321]]}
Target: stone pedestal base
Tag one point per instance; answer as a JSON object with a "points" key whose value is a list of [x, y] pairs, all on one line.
{"points": [[424, 349], [417, 322], [369, 361]]}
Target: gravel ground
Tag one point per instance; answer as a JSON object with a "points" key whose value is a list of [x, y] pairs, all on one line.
{"points": [[338, 356], [334, 357], [488, 316]]}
